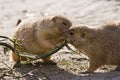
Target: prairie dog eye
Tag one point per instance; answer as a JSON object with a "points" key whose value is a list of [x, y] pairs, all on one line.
{"points": [[64, 23], [71, 33]]}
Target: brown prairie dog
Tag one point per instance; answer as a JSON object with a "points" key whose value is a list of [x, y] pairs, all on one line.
{"points": [[101, 45], [40, 35]]}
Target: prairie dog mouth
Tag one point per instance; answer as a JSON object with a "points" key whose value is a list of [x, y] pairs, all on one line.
{"points": [[71, 41]]}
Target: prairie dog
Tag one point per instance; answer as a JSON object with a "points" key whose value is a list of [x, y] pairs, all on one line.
{"points": [[40, 35], [101, 45]]}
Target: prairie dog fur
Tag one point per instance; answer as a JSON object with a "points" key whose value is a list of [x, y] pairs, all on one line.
{"points": [[101, 45], [40, 35]]}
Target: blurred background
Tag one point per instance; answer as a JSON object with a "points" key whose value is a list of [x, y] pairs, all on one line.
{"points": [[90, 12]]}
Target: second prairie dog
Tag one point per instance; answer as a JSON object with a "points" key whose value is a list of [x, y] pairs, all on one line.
{"points": [[101, 45], [40, 35]]}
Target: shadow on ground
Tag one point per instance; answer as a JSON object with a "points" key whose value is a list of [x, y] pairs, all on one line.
{"points": [[45, 72], [53, 72]]}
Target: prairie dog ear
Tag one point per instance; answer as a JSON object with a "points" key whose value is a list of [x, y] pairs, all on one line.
{"points": [[83, 35], [55, 18]]}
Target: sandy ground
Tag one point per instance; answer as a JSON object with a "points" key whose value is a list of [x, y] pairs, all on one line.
{"points": [[69, 65]]}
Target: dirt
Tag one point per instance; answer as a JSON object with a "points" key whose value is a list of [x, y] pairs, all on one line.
{"points": [[69, 65]]}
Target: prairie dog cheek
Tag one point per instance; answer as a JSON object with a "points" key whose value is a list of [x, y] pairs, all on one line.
{"points": [[70, 40]]}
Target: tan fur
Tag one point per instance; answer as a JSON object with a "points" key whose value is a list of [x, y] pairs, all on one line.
{"points": [[40, 35], [101, 45]]}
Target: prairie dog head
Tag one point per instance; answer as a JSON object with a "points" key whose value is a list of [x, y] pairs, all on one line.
{"points": [[80, 36], [62, 23], [54, 27], [56, 23]]}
